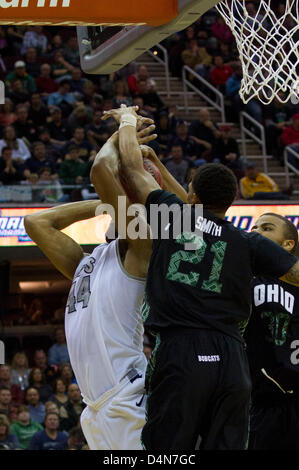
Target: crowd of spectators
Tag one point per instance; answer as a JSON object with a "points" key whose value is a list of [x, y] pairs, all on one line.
{"points": [[40, 401], [51, 127]]}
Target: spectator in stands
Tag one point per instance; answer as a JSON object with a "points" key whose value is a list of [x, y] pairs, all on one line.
{"points": [[77, 82], [277, 116], [290, 137], [60, 396], [141, 74], [121, 94], [151, 99], [11, 172], [17, 395], [20, 151], [204, 131], [66, 374], [24, 427], [197, 58], [256, 185], [78, 140], [71, 51], [226, 150], [177, 165], [34, 37], [63, 98], [8, 441], [58, 353], [24, 127], [50, 438], [220, 73], [89, 90], [51, 406], [56, 44], [38, 113], [45, 83], [53, 150], [228, 55], [181, 138], [37, 380], [40, 361], [221, 31], [81, 116], [232, 88], [164, 131], [76, 439], [73, 170], [75, 400], [35, 406], [58, 127], [39, 160], [61, 69], [97, 132], [139, 101], [52, 192], [5, 401], [17, 93], [20, 74], [32, 65], [20, 370], [7, 114]]}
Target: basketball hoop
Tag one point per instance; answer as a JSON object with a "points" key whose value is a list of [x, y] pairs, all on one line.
{"points": [[268, 45]]}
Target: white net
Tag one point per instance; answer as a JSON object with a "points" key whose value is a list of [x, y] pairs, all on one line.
{"points": [[267, 37]]}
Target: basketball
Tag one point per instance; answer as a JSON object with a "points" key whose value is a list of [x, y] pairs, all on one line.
{"points": [[148, 166]]}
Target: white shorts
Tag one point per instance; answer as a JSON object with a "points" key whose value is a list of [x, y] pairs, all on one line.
{"points": [[116, 419]]}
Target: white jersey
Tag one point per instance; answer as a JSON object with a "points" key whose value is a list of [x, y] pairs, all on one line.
{"points": [[104, 329]]}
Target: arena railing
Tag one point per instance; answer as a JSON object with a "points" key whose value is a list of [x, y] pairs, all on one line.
{"points": [[289, 167], [217, 104], [163, 62], [248, 132], [23, 193]]}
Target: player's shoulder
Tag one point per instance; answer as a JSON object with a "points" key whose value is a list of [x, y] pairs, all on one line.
{"points": [[161, 196]]}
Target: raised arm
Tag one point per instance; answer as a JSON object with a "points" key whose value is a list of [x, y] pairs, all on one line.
{"points": [[105, 172], [139, 180], [44, 228]]}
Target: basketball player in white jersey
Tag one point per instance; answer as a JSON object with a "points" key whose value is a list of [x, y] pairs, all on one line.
{"points": [[103, 324]]}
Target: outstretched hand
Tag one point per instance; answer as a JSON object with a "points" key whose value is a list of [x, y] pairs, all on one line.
{"points": [[118, 113]]}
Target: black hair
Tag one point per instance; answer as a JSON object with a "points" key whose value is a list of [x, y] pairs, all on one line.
{"points": [[4, 149], [290, 231], [215, 185]]}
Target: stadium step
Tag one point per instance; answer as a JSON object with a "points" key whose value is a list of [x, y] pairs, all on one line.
{"points": [[195, 102]]}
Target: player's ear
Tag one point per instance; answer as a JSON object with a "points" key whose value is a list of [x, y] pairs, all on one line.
{"points": [[288, 245]]}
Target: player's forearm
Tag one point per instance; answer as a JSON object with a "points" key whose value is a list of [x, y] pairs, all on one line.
{"points": [[61, 216], [130, 152]]}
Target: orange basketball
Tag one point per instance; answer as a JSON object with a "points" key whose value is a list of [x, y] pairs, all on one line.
{"points": [[152, 169]]}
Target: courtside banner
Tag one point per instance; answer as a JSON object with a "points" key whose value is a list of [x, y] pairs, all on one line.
{"points": [[92, 231], [87, 12]]}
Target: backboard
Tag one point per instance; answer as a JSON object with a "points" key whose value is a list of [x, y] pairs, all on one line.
{"points": [[107, 50]]}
